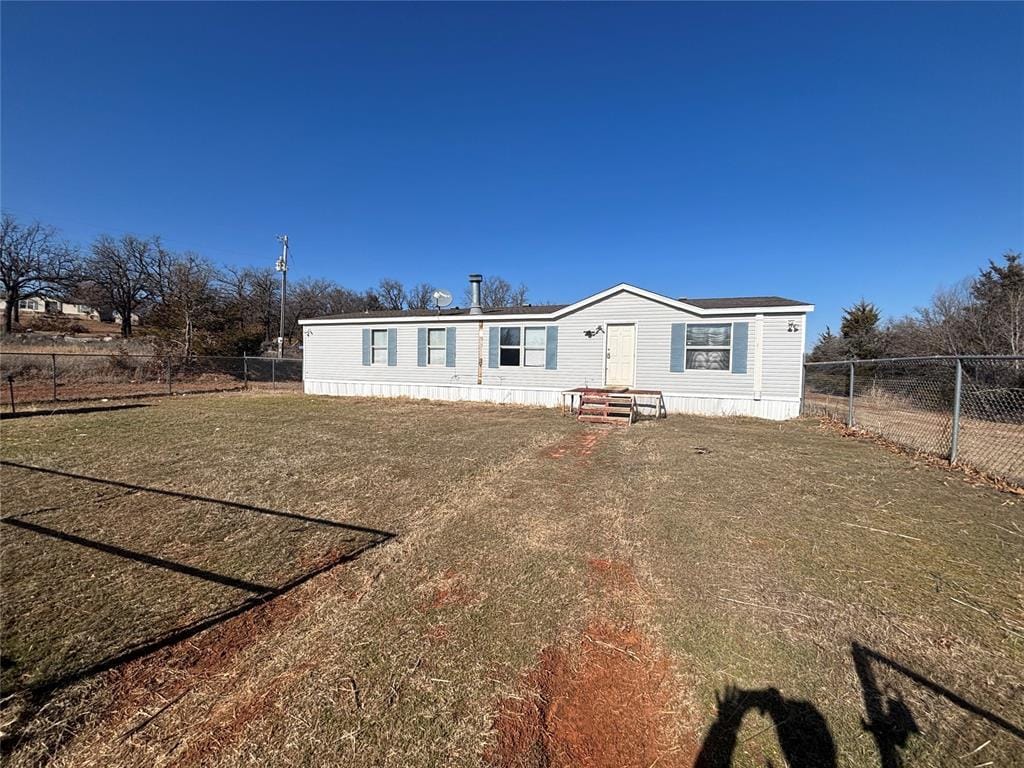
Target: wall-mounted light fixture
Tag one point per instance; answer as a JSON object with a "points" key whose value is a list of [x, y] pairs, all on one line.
{"points": [[794, 326], [593, 332]]}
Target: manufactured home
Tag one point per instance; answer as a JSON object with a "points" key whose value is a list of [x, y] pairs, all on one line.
{"points": [[722, 356]]}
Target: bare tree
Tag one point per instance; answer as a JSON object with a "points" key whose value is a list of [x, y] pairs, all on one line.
{"points": [[32, 260], [188, 299], [496, 292], [252, 298], [315, 298], [950, 325], [391, 293], [121, 275], [420, 296]]}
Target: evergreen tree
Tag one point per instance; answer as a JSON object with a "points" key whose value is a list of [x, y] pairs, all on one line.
{"points": [[860, 332]]}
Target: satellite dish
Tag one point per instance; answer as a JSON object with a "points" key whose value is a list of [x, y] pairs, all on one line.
{"points": [[442, 298]]}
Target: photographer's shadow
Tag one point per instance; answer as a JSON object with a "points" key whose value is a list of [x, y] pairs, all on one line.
{"points": [[803, 733]]}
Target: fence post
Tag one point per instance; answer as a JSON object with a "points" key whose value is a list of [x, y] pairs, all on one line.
{"points": [[273, 373], [849, 414], [53, 362], [245, 370], [10, 388], [954, 442], [169, 375]]}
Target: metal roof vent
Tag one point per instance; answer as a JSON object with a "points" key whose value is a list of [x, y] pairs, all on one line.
{"points": [[475, 307]]}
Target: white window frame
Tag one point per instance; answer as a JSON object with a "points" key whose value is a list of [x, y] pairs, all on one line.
{"points": [[375, 347], [522, 346], [708, 348], [28, 305], [443, 347]]}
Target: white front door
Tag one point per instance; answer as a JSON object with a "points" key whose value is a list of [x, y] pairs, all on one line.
{"points": [[618, 371]]}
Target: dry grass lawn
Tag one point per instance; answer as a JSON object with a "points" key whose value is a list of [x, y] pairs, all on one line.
{"points": [[257, 579]]}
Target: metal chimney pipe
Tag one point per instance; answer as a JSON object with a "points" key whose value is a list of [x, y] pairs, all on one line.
{"points": [[474, 290]]}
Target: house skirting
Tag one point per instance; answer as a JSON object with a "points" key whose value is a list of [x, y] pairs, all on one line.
{"points": [[776, 409]]}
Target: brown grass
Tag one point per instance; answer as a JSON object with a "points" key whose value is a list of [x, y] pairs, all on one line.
{"points": [[992, 447], [525, 547]]}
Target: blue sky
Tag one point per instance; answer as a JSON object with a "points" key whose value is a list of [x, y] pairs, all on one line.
{"points": [[819, 151]]}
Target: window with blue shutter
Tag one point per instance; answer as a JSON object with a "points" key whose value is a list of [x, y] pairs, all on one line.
{"points": [[421, 347], [392, 346], [449, 350], [492, 347], [677, 352], [551, 352], [740, 333]]}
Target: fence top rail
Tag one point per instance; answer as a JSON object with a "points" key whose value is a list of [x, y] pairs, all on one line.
{"points": [[921, 359], [155, 355]]}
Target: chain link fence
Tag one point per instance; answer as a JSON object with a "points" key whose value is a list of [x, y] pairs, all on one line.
{"points": [[40, 377], [967, 409]]}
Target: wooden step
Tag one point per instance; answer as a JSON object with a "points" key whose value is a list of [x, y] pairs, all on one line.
{"points": [[602, 411], [597, 398], [615, 421]]}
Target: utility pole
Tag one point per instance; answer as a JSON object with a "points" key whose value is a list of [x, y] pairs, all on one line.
{"points": [[282, 267]]}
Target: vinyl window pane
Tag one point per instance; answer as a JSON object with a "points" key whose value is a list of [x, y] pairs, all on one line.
{"points": [[435, 356], [380, 355], [509, 356], [535, 338], [707, 359], [708, 335], [436, 337], [534, 358], [380, 338], [510, 337]]}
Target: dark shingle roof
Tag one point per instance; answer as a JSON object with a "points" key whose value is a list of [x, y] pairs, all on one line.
{"points": [[525, 309], [736, 302], [741, 302]]}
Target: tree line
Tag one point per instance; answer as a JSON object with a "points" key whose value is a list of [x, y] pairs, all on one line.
{"points": [[981, 315], [184, 299]]}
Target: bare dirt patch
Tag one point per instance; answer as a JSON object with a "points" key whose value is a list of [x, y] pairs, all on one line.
{"points": [[606, 701], [579, 445], [175, 669]]}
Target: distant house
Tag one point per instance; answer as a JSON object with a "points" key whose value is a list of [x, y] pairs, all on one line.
{"points": [[45, 305], [722, 356]]}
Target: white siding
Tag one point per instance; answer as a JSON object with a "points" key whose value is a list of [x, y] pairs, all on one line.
{"points": [[335, 353], [581, 360], [333, 361], [783, 356]]}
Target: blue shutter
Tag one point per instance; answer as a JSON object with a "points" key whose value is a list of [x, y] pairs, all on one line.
{"points": [[366, 346], [739, 347], [392, 346], [551, 354], [492, 348], [449, 349], [677, 355], [421, 347]]}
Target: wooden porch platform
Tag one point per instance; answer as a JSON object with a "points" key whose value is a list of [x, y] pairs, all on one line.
{"points": [[618, 406]]}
